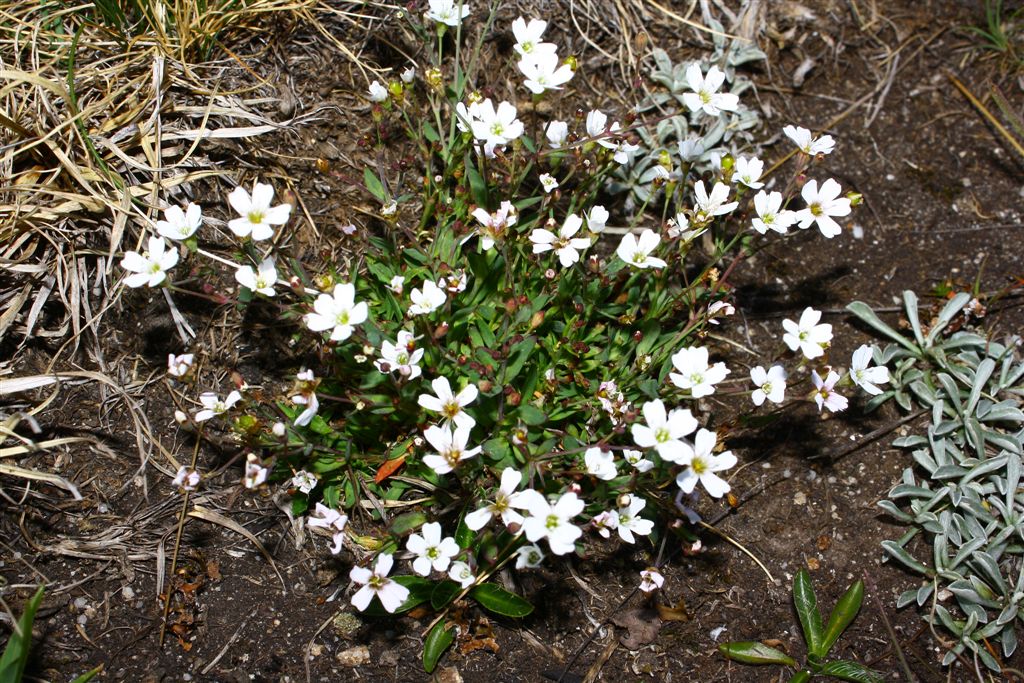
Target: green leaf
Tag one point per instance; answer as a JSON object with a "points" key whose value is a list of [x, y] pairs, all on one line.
{"points": [[463, 534], [429, 133], [12, 664], [477, 186], [88, 675], [806, 604], [531, 415], [864, 312], [438, 640], [374, 185], [842, 616], [851, 671], [752, 652], [443, 593], [500, 601], [404, 523]]}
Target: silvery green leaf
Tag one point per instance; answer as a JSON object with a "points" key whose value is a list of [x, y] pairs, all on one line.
{"points": [[962, 340], [924, 459], [910, 305], [984, 467], [950, 656], [947, 620], [975, 612], [988, 660], [906, 597], [924, 393], [876, 401], [903, 400], [975, 434], [1004, 411], [1003, 441], [910, 441], [985, 595], [864, 312], [894, 511], [1009, 640], [661, 59], [965, 551], [1013, 467], [948, 472], [952, 390], [924, 593], [1008, 614], [987, 565], [952, 307], [981, 377], [904, 557], [946, 427]]}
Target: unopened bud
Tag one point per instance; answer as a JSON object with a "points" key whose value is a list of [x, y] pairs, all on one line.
{"points": [[278, 429], [856, 198]]}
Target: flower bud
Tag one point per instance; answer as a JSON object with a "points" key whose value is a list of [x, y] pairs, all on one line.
{"points": [[180, 417], [278, 429], [856, 198]]}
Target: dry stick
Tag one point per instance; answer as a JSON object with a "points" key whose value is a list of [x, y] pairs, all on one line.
{"points": [[177, 544], [985, 112]]}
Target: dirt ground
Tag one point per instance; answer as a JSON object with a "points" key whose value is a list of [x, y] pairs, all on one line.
{"points": [[943, 203]]}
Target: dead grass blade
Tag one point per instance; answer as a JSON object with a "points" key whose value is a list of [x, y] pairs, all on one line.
{"points": [[989, 116], [34, 475], [208, 515]]}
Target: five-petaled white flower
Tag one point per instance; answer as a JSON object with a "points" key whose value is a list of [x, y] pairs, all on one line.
{"points": [[461, 573], [705, 93], [431, 550], [397, 285], [306, 397], [528, 35], [178, 224], [808, 144], [493, 225], [391, 593], [557, 132], [543, 72], [597, 219], [695, 373], [331, 520], [605, 522], [378, 93], [254, 473], [637, 460], [629, 521], [704, 464], [504, 499], [554, 522], [337, 312], [529, 556], [822, 204], [261, 280], [807, 335], [566, 246], [451, 448], [178, 366], [548, 182], [714, 204], [495, 127], [637, 252], [825, 394], [665, 431], [447, 11], [770, 214], [402, 357], [450, 404], [186, 479], [426, 300], [212, 405], [304, 481], [150, 267], [600, 463], [771, 384], [651, 580], [747, 171], [257, 215], [863, 376]]}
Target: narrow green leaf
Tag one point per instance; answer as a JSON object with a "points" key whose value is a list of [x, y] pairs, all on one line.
{"points": [[910, 304], [500, 601], [438, 640], [851, 671], [463, 534], [88, 675], [444, 592], [806, 604], [531, 415], [801, 676], [752, 652], [374, 185], [842, 616], [404, 523], [864, 312], [476, 185], [12, 663]]}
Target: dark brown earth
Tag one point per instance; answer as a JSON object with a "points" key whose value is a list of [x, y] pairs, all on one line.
{"points": [[943, 204]]}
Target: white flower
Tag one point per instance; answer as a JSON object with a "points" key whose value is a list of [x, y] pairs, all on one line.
{"points": [[630, 522], [330, 519], [402, 357], [493, 225], [397, 285], [542, 72], [504, 499], [451, 448], [713, 204], [306, 397], [186, 479], [389, 209], [447, 11], [822, 204], [600, 463], [704, 465], [637, 252], [337, 312], [807, 144], [705, 93], [664, 432], [747, 171], [695, 373], [462, 574], [770, 385], [566, 246], [456, 282], [304, 481], [212, 405], [557, 132], [713, 310], [178, 224], [262, 280], [863, 376], [178, 366], [378, 93], [651, 580], [637, 460], [679, 227], [254, 473], [431, 550], [150, 267], [553, 522], [529, 556], [428, 299], [496, 128], [597, 219], [548, 182], [770, 215], [824, 392], [257, 215], [408, 75], [604, 522], [807, 335], [528, 37], [391, 593], [449, 404]]}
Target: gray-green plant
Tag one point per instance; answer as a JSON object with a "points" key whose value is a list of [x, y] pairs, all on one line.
{"points": [[963, 494], [820, 637]]}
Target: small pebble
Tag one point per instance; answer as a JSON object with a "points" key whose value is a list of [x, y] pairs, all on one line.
{"points": [[354, 656]]}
